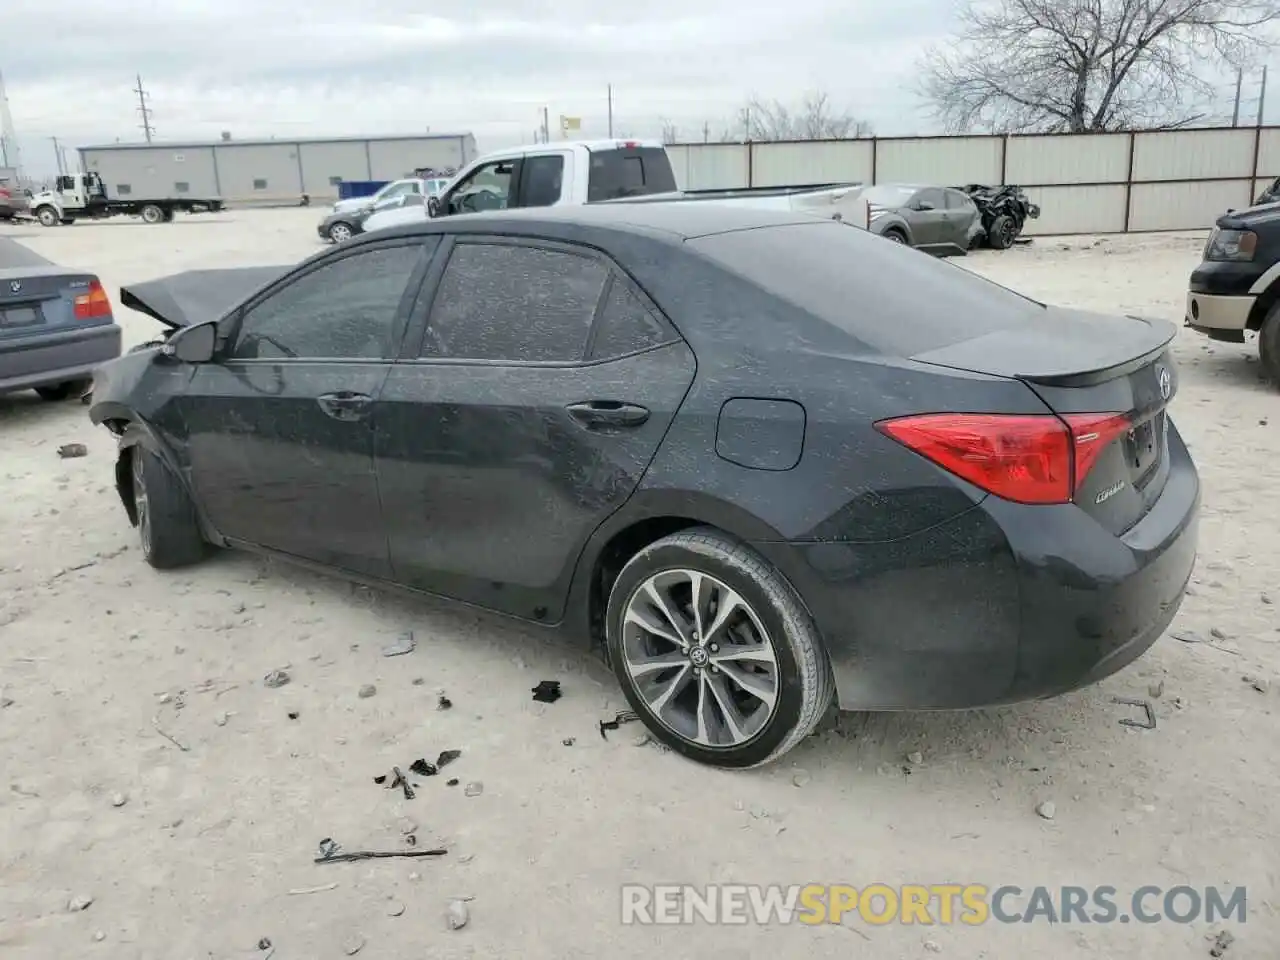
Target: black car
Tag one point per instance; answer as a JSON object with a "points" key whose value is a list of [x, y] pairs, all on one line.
{"points": [[1236, 288], [765, 459]]}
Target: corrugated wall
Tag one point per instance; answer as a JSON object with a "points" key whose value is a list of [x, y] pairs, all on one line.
{"points": [[1084, 183]]}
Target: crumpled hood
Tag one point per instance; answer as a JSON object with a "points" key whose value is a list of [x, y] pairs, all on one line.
{"points": [[197, 295]]}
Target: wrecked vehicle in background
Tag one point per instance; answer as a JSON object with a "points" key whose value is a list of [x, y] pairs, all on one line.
{"points": [[1004, 210], [595, 419]]}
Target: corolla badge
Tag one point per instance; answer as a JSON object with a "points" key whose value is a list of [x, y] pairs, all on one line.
{"points": [[1165, 379], [15, 286], [1109, 492]]}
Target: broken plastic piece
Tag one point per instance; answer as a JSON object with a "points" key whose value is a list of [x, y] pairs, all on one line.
{"points": [[422, 768], [452, 782], [401, 782], [447, 757], [380, 780], [401, 645], [444, 703], [547, 691], [329, 847]]}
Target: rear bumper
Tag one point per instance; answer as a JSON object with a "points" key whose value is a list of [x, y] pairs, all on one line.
{"points": [[1206, 311], [56, 357], [1001, 604]]}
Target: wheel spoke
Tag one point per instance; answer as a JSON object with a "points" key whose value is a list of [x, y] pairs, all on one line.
{"points": [[659, 700], [726, 710], [674, 620], [664, 661], [761, 686], [645, 620], [703, 735], [744, 653], [700, 594], [727, 604]]}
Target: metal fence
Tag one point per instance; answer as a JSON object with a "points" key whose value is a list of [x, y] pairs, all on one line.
{"points": [[1084, 183]]}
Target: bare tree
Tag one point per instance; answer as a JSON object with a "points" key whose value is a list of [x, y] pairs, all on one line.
{"points": [[1088, 65], [670, 132], [814, 119]]}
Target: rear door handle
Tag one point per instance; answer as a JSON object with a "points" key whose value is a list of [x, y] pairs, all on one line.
{"points": [[345, 405], [608, 413]]}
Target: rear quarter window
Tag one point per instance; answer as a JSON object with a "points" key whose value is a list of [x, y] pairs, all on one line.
{"points": [[629, 173], [893, 299]]}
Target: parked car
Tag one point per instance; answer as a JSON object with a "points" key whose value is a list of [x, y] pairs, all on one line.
{"points": [[765, 459], [388, 191], [341, 226], [56, 325], [1005, 211], [1270, 195], [13, 200], [1236, 287], [937, 220]]}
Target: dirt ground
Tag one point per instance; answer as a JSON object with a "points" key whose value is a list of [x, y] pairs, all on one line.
{"points": [[103, 660]]}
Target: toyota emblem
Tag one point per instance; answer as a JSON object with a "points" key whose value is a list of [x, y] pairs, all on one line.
{"points": [[15, 286], [1165, 379]]}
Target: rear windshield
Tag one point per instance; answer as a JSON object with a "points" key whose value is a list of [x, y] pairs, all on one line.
{"points": [[632, 172], [894, 299]]}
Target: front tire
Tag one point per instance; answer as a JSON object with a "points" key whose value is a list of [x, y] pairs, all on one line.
{"points": [[168, 530], [48, 217], [896, 236], [1002, 233], [715, 652], [341, 232], [1269, 345], [153, 213]]}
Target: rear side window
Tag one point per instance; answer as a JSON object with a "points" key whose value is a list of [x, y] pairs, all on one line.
{"points": [[956, 200], [514, 302], [540, 181], [627, 324], [895, 300], [629, 173]]}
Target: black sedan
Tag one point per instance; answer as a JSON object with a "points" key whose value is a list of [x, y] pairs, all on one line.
{"points": [[766, 460]]}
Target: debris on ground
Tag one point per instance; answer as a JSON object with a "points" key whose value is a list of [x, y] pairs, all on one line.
{"points": [[395, 909], [276, 678], [1258, 683], [99, 936], [70, 451], [303, 891], [329, 847], [407, 826], [452, 782], [624, 716], [335, 857], [401, 782], [642, 741], [444, 703], [79, 904], [353, 944], [400, 645], [915, 757], [119, 799], [424, 769], [457, 916], [264, 943], [1220, 944], [1147, 723], [1156, 690], [294, 714], [568, 741], [367, 691], [473, 789], [6, 702], [181, 746], [800, 778], [447, 757], [1047, 810], [221, 719], [547, 691]]}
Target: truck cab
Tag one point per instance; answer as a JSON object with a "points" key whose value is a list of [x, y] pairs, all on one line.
{"points": [[71, 193]]}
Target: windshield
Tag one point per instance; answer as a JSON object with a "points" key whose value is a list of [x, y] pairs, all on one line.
{"points": [[889, 196]]}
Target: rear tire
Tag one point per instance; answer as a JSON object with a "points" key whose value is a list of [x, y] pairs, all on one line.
{"points": [[748, 690], [1269, 345], [61, 391], [896, 236], [1002, 233], [48, 216], [152, 213], [168, 529]]}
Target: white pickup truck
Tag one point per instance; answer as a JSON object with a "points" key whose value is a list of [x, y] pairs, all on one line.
{"points": [[602, 171]]}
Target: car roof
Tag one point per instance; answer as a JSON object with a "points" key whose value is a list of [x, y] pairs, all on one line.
{"points": [[676, 221]]}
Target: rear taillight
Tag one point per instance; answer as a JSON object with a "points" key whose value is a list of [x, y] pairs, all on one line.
{"points": [[1026, 459], [93, 304]]}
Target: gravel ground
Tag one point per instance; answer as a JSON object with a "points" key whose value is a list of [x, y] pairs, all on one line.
{"points": [[106, 666]]}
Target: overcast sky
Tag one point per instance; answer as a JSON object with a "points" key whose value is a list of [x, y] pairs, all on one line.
{"points": [[338, 67]]}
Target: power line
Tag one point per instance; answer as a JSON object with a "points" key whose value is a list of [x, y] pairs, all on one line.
{"points": [[144, 109]]}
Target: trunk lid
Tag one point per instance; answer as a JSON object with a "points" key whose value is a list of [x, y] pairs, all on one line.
{"points": [[36, 300], [1111, 378]]}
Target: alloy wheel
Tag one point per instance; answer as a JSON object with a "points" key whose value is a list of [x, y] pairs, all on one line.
{"points": [[699, 657], [141, 504], [339, 233]]}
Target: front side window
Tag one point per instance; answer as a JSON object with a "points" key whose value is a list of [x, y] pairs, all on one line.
{"points": [[486, 188], [541, 181], [514, 303], [346, 309]]}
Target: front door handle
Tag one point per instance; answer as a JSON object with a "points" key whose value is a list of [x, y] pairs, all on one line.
{"points": [[345, 405], [608, 413]]}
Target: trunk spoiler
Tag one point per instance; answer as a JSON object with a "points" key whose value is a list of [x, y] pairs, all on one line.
{"points": [[197, 295]]}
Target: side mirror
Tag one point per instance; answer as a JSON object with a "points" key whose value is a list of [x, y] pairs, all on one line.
{"points": [[433, 206], [193, 344]]}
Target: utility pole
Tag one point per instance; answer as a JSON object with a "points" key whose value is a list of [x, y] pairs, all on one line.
{"points": [[1235, 114], [546, 125], [8, 136], [1262, 94], [611, 111], [706, 131], [57, 153], [143, 109]]}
